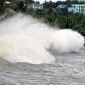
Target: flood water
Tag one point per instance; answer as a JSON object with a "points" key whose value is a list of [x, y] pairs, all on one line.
{"points": [[68, 69]]}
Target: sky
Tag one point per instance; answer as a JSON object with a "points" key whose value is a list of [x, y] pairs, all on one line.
{"points": [[41, 1]]}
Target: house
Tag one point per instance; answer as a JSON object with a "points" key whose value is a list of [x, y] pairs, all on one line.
{"points": [[61, 6], [77, 8], [7, 2], [36, 6], [81, 0]]}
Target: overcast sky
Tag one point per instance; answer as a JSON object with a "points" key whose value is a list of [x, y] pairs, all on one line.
{"points": [[48, 0]]}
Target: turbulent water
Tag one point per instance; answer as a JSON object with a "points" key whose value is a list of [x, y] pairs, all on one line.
{"points": [[68, 69], [32, 53], [25, 39]]}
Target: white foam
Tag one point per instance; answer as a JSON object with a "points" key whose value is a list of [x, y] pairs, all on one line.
{"points": [[25, 39], [67, 40]]}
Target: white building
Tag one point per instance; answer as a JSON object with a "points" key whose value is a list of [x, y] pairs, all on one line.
{"points": [[36, 6], [7, 2], [77, 8], [81, 0], [61, 6]]}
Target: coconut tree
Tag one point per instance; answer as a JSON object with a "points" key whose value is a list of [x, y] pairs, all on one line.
{"points": [[19, 5]]}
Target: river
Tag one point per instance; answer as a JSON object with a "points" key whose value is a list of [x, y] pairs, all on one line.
{"points": [[68, 69]]}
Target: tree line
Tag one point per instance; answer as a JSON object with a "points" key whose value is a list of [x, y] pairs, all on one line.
{"points": [[50, 14]]}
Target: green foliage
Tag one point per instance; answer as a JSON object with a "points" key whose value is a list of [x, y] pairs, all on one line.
{"points": [[18, 5], [2, 8], [28, 1], [2, 2], [50, 14], [73, 21]]}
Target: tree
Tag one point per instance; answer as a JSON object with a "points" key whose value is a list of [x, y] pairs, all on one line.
{"points": [[19, 5], [2, 8], [29, 1]]}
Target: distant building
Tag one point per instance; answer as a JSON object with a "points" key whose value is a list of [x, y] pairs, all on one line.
{"points": [[36, 6], [81, 0], [71, 0], [77, 8], [61, 6], [75, 0], [7, 2]]}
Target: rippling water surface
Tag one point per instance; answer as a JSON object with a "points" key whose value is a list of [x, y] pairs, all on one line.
{"points": [[69, 69]]}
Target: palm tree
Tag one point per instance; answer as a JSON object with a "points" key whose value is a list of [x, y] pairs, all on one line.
{"points": [[19, 5]]}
